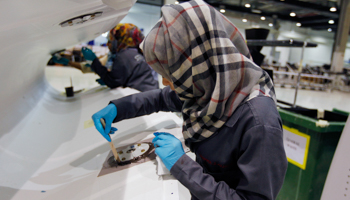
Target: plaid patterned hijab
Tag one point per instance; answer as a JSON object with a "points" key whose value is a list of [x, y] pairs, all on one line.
{"points": [[126, 35], [204, 55]]}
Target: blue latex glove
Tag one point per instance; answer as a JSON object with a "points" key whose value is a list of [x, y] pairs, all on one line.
{"points": [[60, 60], [88, 54], [168, 148], [108, 114], [100, 81]]}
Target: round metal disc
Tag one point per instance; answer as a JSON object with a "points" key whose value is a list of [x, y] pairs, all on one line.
{"points": [[133, 151]]}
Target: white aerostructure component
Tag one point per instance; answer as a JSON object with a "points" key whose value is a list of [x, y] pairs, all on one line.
{"points": [[48, 147], [337, 184]]}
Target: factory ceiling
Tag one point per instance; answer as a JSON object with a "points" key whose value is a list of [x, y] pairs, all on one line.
{"points": [[314, 14]]}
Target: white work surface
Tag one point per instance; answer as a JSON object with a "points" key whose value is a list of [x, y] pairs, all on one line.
{"points": [[51, 155]]}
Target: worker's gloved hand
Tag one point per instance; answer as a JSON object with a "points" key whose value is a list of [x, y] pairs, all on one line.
{"points": [[100, 81], [113, 130], [168, 148], [108, 114], [88, 54], [60, 60]]}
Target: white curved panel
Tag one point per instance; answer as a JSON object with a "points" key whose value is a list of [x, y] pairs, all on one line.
{"points": [[29, 32], [337, 184], [46, 149]]}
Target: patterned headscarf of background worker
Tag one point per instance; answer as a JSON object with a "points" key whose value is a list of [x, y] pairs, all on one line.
{"points": [[126, 35]]}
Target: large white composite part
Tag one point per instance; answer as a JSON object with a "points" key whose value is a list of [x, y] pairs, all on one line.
{"points": [[48, 147]]}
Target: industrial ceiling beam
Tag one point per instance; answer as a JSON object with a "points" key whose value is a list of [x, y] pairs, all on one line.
{"points": [[316, 19], [320, 26], [323, 10]]}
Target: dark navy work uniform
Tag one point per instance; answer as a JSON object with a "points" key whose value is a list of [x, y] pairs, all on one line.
{"points": [[245, 159], [129, 69]]}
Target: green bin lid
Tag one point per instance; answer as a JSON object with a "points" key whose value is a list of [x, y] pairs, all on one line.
{"points": [[317, 125]]}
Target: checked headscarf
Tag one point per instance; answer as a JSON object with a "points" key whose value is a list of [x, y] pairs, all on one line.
{"points": [[204, 55]]}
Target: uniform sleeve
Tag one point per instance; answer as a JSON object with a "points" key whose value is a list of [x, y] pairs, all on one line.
{"points": [[146, 103], [262, 165], [116, 78]]}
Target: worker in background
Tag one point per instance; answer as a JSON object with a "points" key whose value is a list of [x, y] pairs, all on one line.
{"points": [[125, 65], [228, 103]]}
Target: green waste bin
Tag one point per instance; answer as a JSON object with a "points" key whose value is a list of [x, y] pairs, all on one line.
{"points": [[310, 139]]}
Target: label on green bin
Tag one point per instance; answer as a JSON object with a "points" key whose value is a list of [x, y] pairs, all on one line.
{"points": [[296, 145]]}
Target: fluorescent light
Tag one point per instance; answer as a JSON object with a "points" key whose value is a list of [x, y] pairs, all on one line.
{"points": [[331, 21], [292, 14], [262, 18], [247, 5], [244, 20], [270, 24], [333, 9], [298, 24], [222, 8], [256, 11]]}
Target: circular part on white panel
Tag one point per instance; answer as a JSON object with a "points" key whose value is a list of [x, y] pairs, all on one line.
{"points": [[133, 152]]}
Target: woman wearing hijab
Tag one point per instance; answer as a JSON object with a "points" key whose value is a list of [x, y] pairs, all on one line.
{"points": [[228, 105], [125, 65]]}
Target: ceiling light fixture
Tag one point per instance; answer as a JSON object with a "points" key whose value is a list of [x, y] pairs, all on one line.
{"points": [[329, 30], [270, 24], [331, 21], [256, 11], [262, 18], [222, 9], [247, 5], [244, 20], [292, 14], [298, 24], [333, 9]]}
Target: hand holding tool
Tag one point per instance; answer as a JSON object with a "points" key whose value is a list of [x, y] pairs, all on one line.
{"points": [[108, 113], [114, 151]]}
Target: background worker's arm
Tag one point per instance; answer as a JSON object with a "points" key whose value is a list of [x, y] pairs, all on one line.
{"points": [[118, 77], [64, 61]]}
